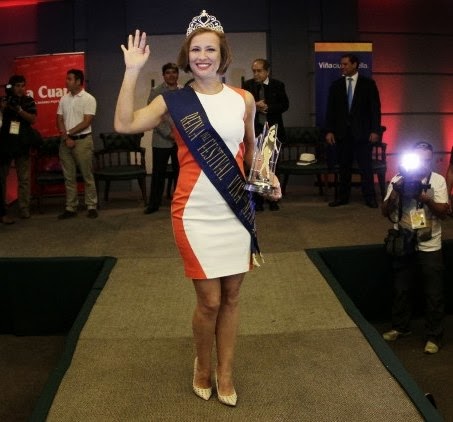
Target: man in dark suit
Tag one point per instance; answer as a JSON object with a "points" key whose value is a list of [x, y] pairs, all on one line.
{"points": [[271, 102], [353, 124]]}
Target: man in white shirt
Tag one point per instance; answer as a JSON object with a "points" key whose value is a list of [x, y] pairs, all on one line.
{"points": [[75, 114], [417, 200]]}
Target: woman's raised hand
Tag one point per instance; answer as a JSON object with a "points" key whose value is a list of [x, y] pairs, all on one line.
{"points": [[137, 52]]}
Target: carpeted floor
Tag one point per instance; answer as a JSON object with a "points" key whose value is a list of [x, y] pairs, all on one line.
{"points": [[299, 355], [433, 373], [25, 365], [133, 356]]}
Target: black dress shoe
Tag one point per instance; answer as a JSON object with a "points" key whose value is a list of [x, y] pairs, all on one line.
{"points": [[371, 203], [7, 220], [92, 213], [67, 214], [150, 210], [273, 206], [337, 203]]}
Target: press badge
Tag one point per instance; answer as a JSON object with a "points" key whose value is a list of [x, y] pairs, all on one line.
{"points": [[418, 218], [14, 128]]}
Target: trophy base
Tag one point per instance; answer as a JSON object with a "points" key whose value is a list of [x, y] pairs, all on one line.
{"points": [[259, 187]]}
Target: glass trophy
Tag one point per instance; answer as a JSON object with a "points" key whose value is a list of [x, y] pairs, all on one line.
{"points": [[265, 156]]}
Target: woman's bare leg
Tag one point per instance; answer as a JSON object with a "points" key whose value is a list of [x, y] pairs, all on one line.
{"points": [[204, 327], [226, 331]]}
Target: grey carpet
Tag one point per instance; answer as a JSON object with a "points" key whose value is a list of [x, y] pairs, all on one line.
{"points": [[299, 356]]}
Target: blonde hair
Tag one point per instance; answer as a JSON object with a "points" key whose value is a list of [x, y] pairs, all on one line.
{"points": [[225, 51]]}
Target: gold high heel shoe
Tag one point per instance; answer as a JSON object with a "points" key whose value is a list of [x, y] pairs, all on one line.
{"points": [[204, 393], [230, 400]]}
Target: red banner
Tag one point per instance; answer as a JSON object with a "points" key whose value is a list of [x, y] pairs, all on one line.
{"points": [[46, 76]]}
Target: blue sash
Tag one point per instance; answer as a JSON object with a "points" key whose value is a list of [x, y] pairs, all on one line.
{"points": [[213, 156]]}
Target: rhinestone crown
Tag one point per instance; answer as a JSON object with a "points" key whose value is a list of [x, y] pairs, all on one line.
{"points": [[204, 20]]}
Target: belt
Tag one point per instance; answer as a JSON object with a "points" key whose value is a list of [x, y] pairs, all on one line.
{"points": [[75, 137]]}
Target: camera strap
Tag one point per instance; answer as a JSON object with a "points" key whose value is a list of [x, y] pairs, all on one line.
{"points": [[425, 188], [419, 204]]}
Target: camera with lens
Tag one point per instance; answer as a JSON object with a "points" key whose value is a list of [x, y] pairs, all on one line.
{"points": [[410, 184], [11, 99], [410, 188]]}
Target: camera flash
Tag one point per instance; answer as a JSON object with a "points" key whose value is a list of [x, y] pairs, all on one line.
{"points": [[410, 161]]}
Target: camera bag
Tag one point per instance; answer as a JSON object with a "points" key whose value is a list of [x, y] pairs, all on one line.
{"points": [[400, 242]]}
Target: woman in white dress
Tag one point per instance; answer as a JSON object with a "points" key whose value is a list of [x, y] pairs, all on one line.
{"points": [[214, 244]]}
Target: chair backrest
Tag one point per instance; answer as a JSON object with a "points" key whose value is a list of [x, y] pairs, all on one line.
{"points": [[50, 145], [379, 152], [302, 139], [120, 150], [47, 155], [120, 141], [303, 134], [293, 151]]}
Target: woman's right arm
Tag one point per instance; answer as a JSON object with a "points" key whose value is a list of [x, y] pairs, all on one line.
{"points": [[127, 120]]}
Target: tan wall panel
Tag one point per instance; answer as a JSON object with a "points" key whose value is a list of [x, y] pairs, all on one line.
{"points": [[415, 93], [411, 53], [434, 16]]}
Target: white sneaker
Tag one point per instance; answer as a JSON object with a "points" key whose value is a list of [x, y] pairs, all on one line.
{"points": [[431, 348], [393, 335]]}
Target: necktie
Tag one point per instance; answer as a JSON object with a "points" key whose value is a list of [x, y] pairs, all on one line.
{"points": [[349, 93], [261, 116], [260, 91]]}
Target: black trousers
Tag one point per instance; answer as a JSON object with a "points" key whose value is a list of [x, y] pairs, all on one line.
{"points": [[2, 201], [160, 162], [429, 265], [349, 150]]}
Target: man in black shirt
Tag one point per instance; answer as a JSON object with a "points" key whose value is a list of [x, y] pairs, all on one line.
{"points": [[16, 136]]}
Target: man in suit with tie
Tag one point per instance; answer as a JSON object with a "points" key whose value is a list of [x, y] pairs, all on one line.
{"points": [[271, 102], [353, 125]]}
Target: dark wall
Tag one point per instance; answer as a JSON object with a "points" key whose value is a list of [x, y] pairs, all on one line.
{"points": [[59, 17], [412, 44], [99, 27], [105, 62], [413, 67]]}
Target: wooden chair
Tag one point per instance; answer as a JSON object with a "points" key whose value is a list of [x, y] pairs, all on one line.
{"points": [[379, 163], [122, 158], [301, 140], [46, 173]]}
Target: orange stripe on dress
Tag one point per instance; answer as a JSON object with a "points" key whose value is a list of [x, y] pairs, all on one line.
{"points": [[189, 172]]}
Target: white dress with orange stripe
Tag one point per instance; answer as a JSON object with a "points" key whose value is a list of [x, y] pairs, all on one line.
{"points": [[211, 240]]}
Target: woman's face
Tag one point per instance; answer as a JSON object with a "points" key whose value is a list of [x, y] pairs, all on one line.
{"points": [[204, 55]]}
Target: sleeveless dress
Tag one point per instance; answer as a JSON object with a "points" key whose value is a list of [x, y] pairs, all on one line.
{"points": [[211, 240]]}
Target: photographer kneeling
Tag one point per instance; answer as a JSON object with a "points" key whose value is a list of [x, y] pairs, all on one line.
{"points": [[416, 201]]}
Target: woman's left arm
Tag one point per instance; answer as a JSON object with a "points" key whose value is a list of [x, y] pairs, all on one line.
{"points": [[249, 136]]}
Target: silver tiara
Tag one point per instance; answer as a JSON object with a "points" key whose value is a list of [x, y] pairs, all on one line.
{"points": [[204, 20]]}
